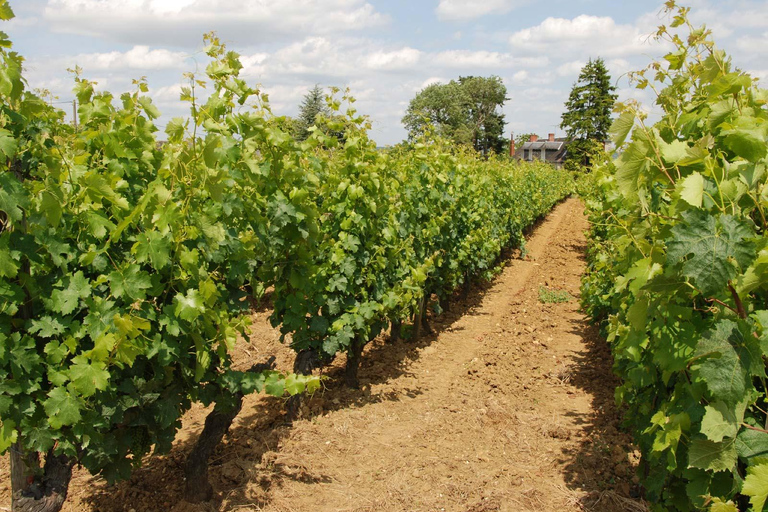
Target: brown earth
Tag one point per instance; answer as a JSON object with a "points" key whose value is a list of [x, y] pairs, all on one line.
{"points": [[508, 406]]}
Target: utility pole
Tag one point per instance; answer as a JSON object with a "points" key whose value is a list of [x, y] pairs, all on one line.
{"points": [[74, 112]]}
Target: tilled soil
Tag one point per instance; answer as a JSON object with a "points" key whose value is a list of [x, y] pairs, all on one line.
{"points": [[508, 406]]}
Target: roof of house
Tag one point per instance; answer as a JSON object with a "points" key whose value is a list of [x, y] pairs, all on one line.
{"points": [[554, 145], [555, 150]]}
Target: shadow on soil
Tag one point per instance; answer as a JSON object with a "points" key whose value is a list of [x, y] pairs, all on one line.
{"points": [[247, 463], [604, 462]]}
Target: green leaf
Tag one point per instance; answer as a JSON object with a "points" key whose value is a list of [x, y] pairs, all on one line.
{"points": [[637, 315], [154, 247], [691, 189], [748, 144], [149, 108], [6, 13], [175, 129], [13, 197], [752, 444], [130, 283], [294, 385], [673, 152], [756, 486], [274, 385], [711, 456], [99, 224], [51, 207], [8, 145], [711, 249], [46, 327], [722, 420], [8, 434], [631, 165], [62, 408], [67, 300], [719, 505], [725, 360], [189, 306], [621, 127], [88, 377]]}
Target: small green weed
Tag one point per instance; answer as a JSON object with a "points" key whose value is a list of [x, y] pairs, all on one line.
{"points": [[547, 296]]}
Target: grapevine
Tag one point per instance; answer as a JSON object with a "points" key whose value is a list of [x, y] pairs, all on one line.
{"points": [[677, 274], [127, 266]]}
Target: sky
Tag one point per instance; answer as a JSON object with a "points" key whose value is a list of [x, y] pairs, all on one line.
{"points": [[385, 51]]}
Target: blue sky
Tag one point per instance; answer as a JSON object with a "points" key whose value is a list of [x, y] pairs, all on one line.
{"points": [[385, 51]]}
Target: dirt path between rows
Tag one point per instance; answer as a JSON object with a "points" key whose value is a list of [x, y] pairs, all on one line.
{"points": [[507, 407]]}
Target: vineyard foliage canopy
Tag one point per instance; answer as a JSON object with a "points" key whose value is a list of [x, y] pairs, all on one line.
{"points": [[128, 267], [678, 273]]}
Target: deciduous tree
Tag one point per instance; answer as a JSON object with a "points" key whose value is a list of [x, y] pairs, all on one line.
{"points": [[467, 111]]}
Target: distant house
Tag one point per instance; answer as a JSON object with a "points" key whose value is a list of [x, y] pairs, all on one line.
{"points": [[551, 150]]}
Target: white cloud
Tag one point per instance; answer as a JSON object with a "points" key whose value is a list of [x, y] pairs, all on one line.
{"points": [[429, 81], [467, 59], [571, 69], [594, 35], [138, 57], [182, 22], [403, 59], [526, 78], [455, 10]]}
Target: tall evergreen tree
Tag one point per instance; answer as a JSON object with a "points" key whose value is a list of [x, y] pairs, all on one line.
{"points": [[588, 113], [311, 106]]}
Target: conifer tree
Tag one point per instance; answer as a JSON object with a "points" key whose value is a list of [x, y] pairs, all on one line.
{"points": [[588, 113], [313, 105]]}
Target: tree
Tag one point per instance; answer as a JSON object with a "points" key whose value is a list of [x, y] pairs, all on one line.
{"points": [[588, 113], [466, 111], [312, 106]]}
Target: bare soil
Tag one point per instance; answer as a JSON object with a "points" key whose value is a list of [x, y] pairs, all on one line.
{"points": [[508, 406]]}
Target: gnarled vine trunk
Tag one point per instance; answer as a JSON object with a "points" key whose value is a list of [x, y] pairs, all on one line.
{"points": [[32, 492], [395, 331], [353, 363], [197, 486]]}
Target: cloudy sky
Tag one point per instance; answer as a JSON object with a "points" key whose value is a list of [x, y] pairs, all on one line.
{"points": [[384, 50]]}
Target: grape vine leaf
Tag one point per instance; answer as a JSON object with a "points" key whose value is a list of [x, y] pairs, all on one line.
{"points": [[88, 377], [719, 505], [66, 301], [7, 145], [751, 444], [712, 456], [756, 486], [131, 282], [691, 189], [62, 408], [8, 434], [748, 143], [12, 196], [722, 420], [708, 247], [6, 13], [621, 127], [154, 247], [726, 360], [46, 327], [189, 306]]}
